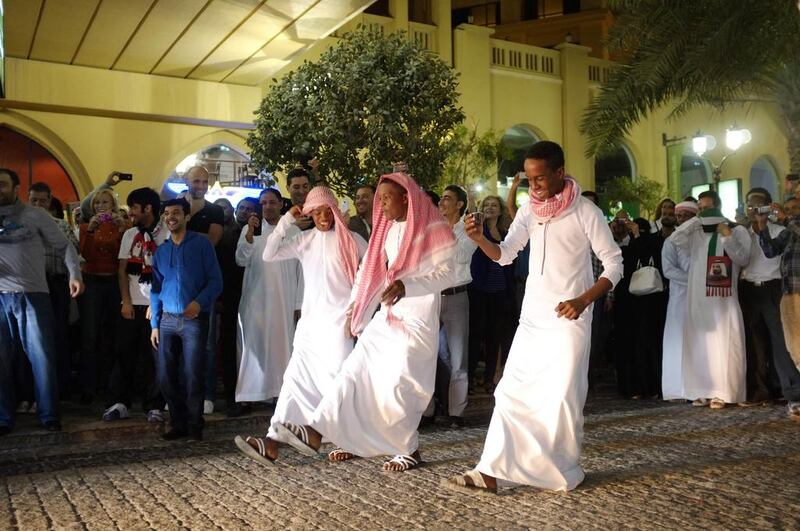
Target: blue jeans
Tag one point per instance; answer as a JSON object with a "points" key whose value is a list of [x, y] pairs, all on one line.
{"points": [[26, 324], [180, 367]]}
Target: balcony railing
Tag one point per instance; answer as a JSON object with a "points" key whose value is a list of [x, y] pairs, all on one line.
{"points": [[599, 70], [375, 23], [525, 58], [423, 34]]}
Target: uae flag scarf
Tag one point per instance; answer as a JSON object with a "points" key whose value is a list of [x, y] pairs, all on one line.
{"points": [[719, 268]]}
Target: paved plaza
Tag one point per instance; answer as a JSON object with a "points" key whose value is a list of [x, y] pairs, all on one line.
{"points": [[648, 465]]}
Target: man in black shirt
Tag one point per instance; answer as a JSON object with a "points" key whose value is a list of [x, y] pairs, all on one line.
{"points": [[206, 218], [299, 183]]}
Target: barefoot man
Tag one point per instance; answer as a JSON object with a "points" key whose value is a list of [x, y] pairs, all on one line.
{"points": [[376, 401], [536, 430], [329, 255]]}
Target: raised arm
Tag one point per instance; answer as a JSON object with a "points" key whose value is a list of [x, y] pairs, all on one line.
{"points": [[282, 244]]}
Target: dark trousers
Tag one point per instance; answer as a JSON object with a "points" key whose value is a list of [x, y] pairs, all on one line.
{"points": [[135, 360], [623, 345], [765, 341], [491, 324], [649, 319], [181, 367], [99, 307], [58, 285], [227, 340], [598, 354], [26, 325]]}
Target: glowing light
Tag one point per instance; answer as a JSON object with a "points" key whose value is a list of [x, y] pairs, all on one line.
{"points": [[736, 138], [702, 143]]}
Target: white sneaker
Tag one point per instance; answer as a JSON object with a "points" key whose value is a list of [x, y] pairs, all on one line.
{"points": [[23, 407], [155, 415], [208, 407], [32, 410], [116, 412]]}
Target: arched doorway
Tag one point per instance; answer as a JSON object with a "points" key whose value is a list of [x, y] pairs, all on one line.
{"points": [[617, 163], [232, 175], [694, 171], [516, 140], [764, 175], [34, 163]]}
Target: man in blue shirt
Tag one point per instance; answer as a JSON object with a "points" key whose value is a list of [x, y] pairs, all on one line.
{"points": [[186, 283]]}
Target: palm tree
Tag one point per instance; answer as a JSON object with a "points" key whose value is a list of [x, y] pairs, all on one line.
{"points": [[699, 52]]}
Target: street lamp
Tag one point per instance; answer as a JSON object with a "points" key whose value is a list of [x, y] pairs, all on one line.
{"points": [[734, 139]]}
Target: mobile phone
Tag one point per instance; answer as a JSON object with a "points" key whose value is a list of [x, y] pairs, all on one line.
{"points": [[344, 206], [477, 217], [125, 176]]}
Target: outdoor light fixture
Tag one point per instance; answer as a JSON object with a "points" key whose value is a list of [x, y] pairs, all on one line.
{"points": [[702, 143], [736, 138]]}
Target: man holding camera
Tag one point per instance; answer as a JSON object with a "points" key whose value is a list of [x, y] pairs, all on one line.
{"points": [[786, 244], [760, 295]]}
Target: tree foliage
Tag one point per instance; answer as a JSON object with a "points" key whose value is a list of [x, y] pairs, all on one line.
{"points": [[642, 191], [367, 102], [473, 156], [710, 52]]}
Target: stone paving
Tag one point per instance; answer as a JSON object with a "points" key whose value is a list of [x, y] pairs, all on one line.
{"points": [[648, 465]]}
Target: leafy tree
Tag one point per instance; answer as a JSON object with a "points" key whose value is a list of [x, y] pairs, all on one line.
{"points": [[710, 52], [473, 156], [367, 102], [642, 191]]}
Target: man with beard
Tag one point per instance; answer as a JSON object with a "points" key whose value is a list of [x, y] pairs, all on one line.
{"points": [[208, 219], [375, 403], [651, 314], [135, 275], [675, 265], [186, 284], [232, 276], [361, 223], [26, 316]]}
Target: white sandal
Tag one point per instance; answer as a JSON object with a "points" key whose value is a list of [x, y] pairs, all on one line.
{"points": [[257, 454], [406, 463], [475, 485], [296, 437]]}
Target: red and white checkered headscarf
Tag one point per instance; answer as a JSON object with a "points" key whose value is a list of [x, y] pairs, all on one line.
{"points": [[427, 234], [558, 203], [348, 251]]}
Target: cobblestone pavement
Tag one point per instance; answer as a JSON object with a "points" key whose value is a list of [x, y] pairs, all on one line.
{"points": [[648, 465]]}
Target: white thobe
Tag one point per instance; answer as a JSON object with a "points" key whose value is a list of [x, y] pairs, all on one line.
{"points": [[675, 264], [714, 362], [536, 431], [385, 384], [320, 342], [271, 292]]}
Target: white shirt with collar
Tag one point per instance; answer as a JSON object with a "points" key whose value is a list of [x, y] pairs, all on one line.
{"points": [[761, 268], [465, 247]]}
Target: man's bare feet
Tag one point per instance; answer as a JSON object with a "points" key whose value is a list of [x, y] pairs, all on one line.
{"points": [[339, 455], [261, 449], [304, 439], [472, 482], [401, 463]]}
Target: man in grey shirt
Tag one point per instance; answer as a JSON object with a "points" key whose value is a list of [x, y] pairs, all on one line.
{"points": [[26, 316]]}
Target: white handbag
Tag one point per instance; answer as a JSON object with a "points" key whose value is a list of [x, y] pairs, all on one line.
{"points": [[646, 280]]}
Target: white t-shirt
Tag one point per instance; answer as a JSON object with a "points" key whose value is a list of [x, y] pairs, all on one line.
{"points": [[140, 293]]}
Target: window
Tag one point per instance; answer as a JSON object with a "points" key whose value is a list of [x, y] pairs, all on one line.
{"points": [[380, 8]]}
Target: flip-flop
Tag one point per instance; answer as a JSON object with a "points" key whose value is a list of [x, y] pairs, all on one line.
{"points": [[259, 454], [475, 485], [298, 440]]}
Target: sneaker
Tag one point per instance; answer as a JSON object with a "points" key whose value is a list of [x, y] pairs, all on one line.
{"points": [[24, 406], [155, 416], [208, 407], [32, 409], [116, 412], [794, 410]]}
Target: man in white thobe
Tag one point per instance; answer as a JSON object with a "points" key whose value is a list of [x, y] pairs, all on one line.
{"points": [[329, 255], [385, 384], [675, 263], [271, 293], [714, 365], [536, 430]]}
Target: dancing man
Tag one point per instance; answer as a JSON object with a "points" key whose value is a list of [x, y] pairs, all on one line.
{"points": [[536, 430], [377, 400], [329, 255]]}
